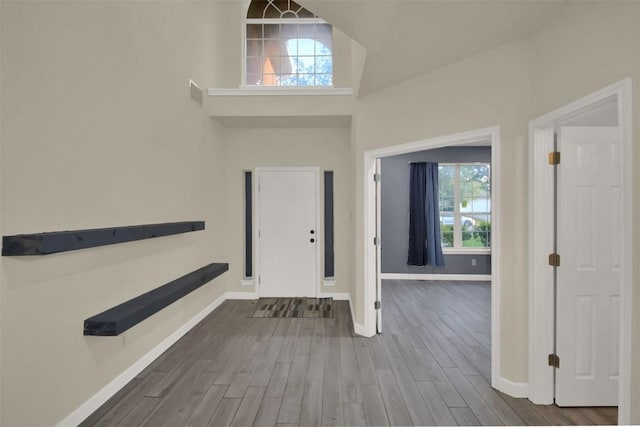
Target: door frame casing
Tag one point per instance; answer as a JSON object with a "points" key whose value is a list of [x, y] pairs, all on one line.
{"points": [[256, 221], [541, 221], [491, 134], [378, 293]]}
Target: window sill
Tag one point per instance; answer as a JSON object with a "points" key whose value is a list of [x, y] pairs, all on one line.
{"points": [[466, 251], [280, 91]]}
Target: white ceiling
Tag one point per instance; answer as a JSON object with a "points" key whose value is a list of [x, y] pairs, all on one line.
{"points": [[406, 38]]}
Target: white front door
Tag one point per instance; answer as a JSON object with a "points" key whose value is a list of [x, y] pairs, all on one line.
{"points": [[287, 232], [588, 278]]}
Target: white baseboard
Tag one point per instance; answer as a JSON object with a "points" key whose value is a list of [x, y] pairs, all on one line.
{"points": [[456, 277], [513, 389], [241, 295], [361, 330], [98, 399], [338, 296], [357, 327]]}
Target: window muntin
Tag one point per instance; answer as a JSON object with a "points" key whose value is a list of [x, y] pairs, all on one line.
{"points": [[286, 45], [465, 205]]}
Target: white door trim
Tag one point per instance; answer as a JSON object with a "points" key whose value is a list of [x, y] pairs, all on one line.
{"points": [[256, 221], [541, 298], [378, 233], [491, 134]]}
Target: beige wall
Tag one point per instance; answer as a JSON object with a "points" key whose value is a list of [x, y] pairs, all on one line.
{"points": [[98, 130], [327, 149], [228, 29]]}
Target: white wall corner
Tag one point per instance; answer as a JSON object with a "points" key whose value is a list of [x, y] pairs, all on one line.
{"points": [[357, 327], [361, 330]]}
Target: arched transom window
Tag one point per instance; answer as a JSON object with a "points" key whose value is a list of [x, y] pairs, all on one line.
{"points": [[287, 46]]}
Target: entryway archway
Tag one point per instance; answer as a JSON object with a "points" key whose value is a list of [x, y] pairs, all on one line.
{"points": [[492, 136]]}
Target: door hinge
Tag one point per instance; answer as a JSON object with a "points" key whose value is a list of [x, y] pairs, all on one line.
{"points": [[554, 260], [554, 158], [376, 177], [554, 360], [377, 305], [258, 279], [375, 241]]}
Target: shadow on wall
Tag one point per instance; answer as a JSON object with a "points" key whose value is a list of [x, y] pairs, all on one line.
{"points": [[27, 271]]}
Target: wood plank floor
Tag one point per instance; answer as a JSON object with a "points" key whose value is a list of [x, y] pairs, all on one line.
{"points": [[430, 366]]}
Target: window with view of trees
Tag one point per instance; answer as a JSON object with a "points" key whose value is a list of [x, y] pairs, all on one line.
{"points": [[286, 45], [465, 205]]}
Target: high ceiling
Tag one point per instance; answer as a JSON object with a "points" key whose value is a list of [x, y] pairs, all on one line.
{"points": [[406, 38]]}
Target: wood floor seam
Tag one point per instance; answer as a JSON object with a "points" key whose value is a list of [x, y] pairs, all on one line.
{"points": [[431, 365]]}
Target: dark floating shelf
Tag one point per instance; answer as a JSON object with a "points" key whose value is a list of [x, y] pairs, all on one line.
{"points": [[62, 241], [118, 319]]}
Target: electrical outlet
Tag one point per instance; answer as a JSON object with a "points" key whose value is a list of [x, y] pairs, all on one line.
{"points": [[473, 262]]}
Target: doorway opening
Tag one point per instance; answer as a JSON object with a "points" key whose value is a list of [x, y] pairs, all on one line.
{"points": [[461, 194], [487, 136], [580, 213]]}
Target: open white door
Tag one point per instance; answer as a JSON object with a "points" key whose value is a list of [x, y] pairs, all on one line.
{"points": [[287, 232], [589, 276], [378, 248]]}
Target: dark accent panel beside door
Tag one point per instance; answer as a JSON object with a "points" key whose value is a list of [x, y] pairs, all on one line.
{"points": [[248, 226], [329, 263], [118, 319], [62, 241]]}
